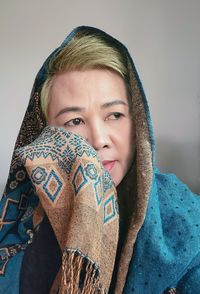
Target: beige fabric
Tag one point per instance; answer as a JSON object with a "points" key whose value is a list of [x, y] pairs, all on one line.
{"points": [[80, 203], [138, 184], [136, 187]]}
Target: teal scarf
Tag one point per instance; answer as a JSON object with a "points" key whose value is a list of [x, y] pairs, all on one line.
{"points": [[161, 245]]}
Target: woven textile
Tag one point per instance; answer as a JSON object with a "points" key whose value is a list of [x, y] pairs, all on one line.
{"points": [[79, 199], [56, 175]]}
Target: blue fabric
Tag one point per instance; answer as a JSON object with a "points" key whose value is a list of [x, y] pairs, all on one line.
{"points": [[16, 212], [41, 261], [9, 284], [167, 251]]}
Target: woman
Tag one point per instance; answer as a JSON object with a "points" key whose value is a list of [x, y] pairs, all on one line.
{"points": [[85, 209]]}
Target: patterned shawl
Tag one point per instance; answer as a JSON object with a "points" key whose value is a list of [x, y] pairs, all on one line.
{"points": [[56, 174]]}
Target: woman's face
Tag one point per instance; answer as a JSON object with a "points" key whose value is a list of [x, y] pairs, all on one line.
{"points": [[94, 104]]}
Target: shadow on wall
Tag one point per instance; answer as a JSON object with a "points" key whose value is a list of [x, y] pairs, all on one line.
{"points": [[182, 160]]}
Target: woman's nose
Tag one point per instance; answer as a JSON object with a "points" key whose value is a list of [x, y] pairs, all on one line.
{"points": [[98, 137]]}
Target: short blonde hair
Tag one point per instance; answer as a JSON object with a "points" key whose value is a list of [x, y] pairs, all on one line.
{"points": [[85, 52]]}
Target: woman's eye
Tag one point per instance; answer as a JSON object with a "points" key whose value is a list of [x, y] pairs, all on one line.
{"points": [[73, 122], [115, 115]]}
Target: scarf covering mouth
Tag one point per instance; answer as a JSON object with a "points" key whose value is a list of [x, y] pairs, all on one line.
{"points": [[56, 174], [79, 199]]}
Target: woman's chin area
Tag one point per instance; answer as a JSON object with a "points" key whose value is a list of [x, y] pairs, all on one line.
{"points": [[117, 176]]}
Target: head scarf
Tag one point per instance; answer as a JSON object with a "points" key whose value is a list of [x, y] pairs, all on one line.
{"points": [[156, 253]]}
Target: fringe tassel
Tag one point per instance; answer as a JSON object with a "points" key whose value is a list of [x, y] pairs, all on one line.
{"points": [[75, 268]]}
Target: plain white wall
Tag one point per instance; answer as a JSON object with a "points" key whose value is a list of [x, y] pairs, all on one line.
{"points": [[163, 38]]}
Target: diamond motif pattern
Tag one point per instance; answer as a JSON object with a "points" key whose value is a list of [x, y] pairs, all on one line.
{"points": [[91, 171], [52, 186], [79, 179], [98, 191], [38, 175], [11, 211], [109, 209]]}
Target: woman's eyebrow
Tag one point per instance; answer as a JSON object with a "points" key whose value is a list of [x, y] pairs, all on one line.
{"points": [[70, 109], [82, 109], [114, 102]]}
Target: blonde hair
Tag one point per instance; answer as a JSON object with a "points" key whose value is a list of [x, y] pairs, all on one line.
{"points": [[85, 52]]}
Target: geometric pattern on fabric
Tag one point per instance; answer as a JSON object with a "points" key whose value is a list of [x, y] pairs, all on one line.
{"points": [[20, 175], [13, 185], [3, 260], [66, 159], [75, 140], [79, 179], [23, 201], [9, 212], [107, 181], [15, 204], [9, 251], [98, 191], [47, 178], [109, 209], [91, 171], [85, 149], [171, 291], [53, 185], [27, 214], [38, 175]]}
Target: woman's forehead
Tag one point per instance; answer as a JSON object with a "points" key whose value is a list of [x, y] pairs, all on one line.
{"points": [[102, 86]]}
